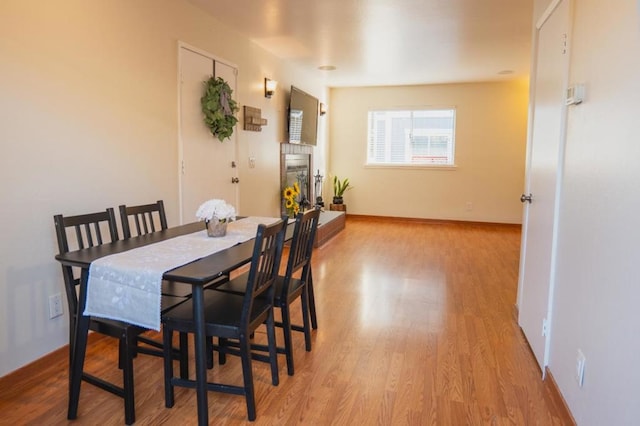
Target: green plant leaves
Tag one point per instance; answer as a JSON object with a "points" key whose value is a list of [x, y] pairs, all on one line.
{"points": [[339, 187], [219, 108]]}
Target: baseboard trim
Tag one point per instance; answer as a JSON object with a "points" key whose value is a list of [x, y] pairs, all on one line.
{"points": [[551, 387], [557, 399], [371, 218], [516, 314], [35, 367]]}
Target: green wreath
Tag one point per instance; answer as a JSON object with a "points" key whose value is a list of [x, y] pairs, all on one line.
{"points": [[218, 108]]}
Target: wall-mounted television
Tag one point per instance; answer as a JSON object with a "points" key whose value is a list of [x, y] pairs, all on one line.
{"points": [[303, 117]]}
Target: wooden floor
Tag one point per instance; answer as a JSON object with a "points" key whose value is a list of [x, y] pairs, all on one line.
{"points": [[416, 327]]}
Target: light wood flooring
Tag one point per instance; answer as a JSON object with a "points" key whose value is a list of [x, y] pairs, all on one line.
{"points": [[416, 327]]}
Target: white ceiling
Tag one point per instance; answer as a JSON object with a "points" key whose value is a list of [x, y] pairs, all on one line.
{"points": [[389, 42]]}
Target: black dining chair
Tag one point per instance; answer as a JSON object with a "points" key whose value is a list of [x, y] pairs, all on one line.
{"points": [[147, 218], [92, 230], [141, 220], [232, 316], [289, 287], [144, 219]]}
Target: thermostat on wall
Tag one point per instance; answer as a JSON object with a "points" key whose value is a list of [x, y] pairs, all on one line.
{"points": [[575, 94]]}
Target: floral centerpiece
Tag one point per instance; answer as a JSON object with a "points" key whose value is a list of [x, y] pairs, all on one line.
{"points": [[216, 215], [290, 194]]}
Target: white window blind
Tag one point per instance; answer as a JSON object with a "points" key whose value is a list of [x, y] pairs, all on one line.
{"points": [[412, 137]]}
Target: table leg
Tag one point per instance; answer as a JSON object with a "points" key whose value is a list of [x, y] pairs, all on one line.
{"points": [[78, 348], [200, 355]]}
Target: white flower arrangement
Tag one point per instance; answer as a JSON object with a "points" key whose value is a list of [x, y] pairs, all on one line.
{"points": [[216, 208]]}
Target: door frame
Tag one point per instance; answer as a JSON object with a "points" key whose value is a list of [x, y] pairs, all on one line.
{"points": [[559, 171], [183, 45]]}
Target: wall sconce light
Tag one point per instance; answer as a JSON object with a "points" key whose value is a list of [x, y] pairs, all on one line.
{"points": [[323, 109], [269, 87]]}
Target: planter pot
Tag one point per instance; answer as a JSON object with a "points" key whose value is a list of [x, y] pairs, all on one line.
{"points": [[215, 228], [337, 200]]}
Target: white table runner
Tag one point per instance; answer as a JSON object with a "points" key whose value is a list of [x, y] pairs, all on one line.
{"points": [[127, 286]]}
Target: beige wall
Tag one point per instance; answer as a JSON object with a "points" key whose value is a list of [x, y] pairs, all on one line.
{"points": [[88, 120], [491, 127], [596, 296]]}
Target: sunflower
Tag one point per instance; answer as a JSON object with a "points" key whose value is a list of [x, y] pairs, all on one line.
{"points": [[289, 203], [289, 193]]}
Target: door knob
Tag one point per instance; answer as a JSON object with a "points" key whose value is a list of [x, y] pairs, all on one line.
{"points": [[235, 180], [524, 198]]}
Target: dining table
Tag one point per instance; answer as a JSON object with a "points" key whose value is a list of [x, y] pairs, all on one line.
{"points": [[196, 272]]}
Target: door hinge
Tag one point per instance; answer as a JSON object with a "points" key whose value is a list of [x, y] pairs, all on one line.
{"points": [[545, 327]]}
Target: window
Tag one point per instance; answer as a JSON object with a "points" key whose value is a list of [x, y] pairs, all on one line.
{"points": [[418, 137]]}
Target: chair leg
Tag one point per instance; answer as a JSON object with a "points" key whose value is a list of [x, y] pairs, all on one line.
{"points": [[184, 355], [286, 331], [209, 352], [129, 343], [121, 356], [273, 349], [312, 302], [72, 325], [247, 374], [167, 337], [304, 299], [222, 356]]}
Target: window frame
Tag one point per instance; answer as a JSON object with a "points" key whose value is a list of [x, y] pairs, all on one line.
{"points": [[441, 166]]}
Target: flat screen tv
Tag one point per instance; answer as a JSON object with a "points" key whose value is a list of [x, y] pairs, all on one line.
{"points": [[303, 117]]}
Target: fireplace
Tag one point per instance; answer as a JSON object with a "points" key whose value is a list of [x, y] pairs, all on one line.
{"points": [[296, 169], [296, 166]]}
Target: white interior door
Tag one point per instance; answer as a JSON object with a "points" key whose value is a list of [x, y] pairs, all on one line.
{"points": [[207, 166], [535, 293]]}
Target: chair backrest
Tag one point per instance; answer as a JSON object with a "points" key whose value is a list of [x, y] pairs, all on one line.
{"points": [[301, 247], [147, 218], [89, 230], [265, 262]]}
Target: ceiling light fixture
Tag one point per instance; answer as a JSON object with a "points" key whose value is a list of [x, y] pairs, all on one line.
{"points": [[327, 67]]}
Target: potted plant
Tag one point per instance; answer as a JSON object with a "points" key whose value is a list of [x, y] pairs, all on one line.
{"points": [[339, 187], [216, 215]]}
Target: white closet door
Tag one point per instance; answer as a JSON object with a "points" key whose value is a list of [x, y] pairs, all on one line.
{"points": [[537, 270], [207, 166]]}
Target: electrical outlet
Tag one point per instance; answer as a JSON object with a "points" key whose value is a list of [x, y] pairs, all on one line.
{"points": [[55, 305], [580, 361], [469, 206]]}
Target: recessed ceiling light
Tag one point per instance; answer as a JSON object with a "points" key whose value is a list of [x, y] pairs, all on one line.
{"points": [[327, 67], [505, 72]]}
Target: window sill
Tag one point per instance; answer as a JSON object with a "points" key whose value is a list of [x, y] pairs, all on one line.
{"points": [[442, 167]]}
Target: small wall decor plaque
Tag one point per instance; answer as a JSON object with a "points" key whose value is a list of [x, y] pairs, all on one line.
{"points": [[253, 120]]}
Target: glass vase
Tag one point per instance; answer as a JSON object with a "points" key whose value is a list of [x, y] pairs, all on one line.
{"points": [[215, 228]]}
